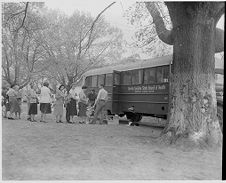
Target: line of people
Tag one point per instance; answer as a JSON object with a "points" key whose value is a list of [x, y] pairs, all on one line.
{"points": [[78, 104]]}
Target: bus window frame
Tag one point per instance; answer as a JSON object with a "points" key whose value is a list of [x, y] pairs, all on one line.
{"points": [[121, 78], [111, 82], [98, 76], [96, 80], [154, 74], [142, 76]]}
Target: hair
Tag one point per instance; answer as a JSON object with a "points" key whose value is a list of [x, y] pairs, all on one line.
{"points": [[46, 84], [102, 85], [60, 86], [84, 87]]}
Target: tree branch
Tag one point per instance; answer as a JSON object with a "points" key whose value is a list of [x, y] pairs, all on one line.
{"points": [[25, 15], [164, 34]]}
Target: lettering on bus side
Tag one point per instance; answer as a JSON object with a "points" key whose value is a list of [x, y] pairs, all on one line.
{"points": [[148, 88]]}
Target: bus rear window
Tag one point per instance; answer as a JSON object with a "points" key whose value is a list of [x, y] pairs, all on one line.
{"points": [[88, 81], [101, 79], [126, 78], [149, 76], [108, 79], [94, 81], [137, 76]]}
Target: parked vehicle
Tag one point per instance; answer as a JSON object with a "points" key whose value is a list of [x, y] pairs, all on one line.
{"points": [[137, 89]]}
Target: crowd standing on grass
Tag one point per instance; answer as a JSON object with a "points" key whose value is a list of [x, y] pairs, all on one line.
{"points": [[81, 107]]}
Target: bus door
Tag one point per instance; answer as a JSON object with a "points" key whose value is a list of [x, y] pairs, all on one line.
{"points": [[115, 92]]}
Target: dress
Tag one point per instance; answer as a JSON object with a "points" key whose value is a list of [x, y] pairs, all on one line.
{"points": [[58, 107], [45, 100], [33, 103], [13, 103], [72, 108], [82, 104]]}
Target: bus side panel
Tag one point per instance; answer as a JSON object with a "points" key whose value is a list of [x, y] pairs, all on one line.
{"points": [[147, 99]]}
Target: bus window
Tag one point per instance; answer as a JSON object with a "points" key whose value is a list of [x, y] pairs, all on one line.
{"points": [[108, 79], [101, 79], [166, 74], [149, 76], [126, 78], [88, 81], [137, 76], [94, 81], [159, 75], [116, 78]]}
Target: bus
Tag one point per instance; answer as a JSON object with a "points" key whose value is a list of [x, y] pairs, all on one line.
{"points": [[135, 89]]}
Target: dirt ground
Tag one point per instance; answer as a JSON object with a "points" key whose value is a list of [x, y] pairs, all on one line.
{"points": [[51, 151]]}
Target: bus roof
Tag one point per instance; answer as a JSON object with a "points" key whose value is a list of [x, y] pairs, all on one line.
{"points": [[160, 61]]}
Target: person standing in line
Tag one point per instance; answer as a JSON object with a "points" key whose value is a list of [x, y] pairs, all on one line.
{"points": [[72, 105], [58, 105], [19, 100], [100, 104], [45, 101], [12, 101], [33, 102], [5, 101], [82, 105], [92, 97], [28, 96]]}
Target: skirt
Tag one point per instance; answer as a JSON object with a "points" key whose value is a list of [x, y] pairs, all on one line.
{"points": [[82, 109], [58, 109], [45, 108], [14, 105], [33, 109], [72, 107]]}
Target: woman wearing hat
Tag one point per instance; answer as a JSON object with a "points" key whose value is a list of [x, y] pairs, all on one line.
{"points": [[58, 107]]}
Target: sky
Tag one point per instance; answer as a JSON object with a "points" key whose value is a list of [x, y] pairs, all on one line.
{"points": [[113, 15]]}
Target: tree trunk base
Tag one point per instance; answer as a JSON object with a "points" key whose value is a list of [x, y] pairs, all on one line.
{"points": [[189, 142]]}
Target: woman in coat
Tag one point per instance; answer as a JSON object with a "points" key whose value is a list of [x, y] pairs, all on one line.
{"points": [[58, 105], [82, 105], [45, 101]]}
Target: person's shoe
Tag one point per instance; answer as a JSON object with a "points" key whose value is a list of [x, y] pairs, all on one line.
{"points": [[11, 118], [29, 119], [60, 121]]}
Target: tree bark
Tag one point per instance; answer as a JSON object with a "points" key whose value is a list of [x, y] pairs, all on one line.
{"points": [[193, 107]]}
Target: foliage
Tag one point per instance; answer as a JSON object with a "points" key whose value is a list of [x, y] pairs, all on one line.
{"points": [[145, 35], [41, 42], [22, 50]]}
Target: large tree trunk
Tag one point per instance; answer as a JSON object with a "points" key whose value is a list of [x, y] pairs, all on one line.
{"points": [[193, 109]]}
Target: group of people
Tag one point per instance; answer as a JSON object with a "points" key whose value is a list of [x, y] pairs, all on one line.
{"points": [[76, 103]]}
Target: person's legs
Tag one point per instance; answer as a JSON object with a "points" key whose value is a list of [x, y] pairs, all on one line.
{"points": [[60, 118], [102, 113], [98, 109]]}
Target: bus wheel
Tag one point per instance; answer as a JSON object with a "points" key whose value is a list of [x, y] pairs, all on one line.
{"points": [[220, 116]]}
